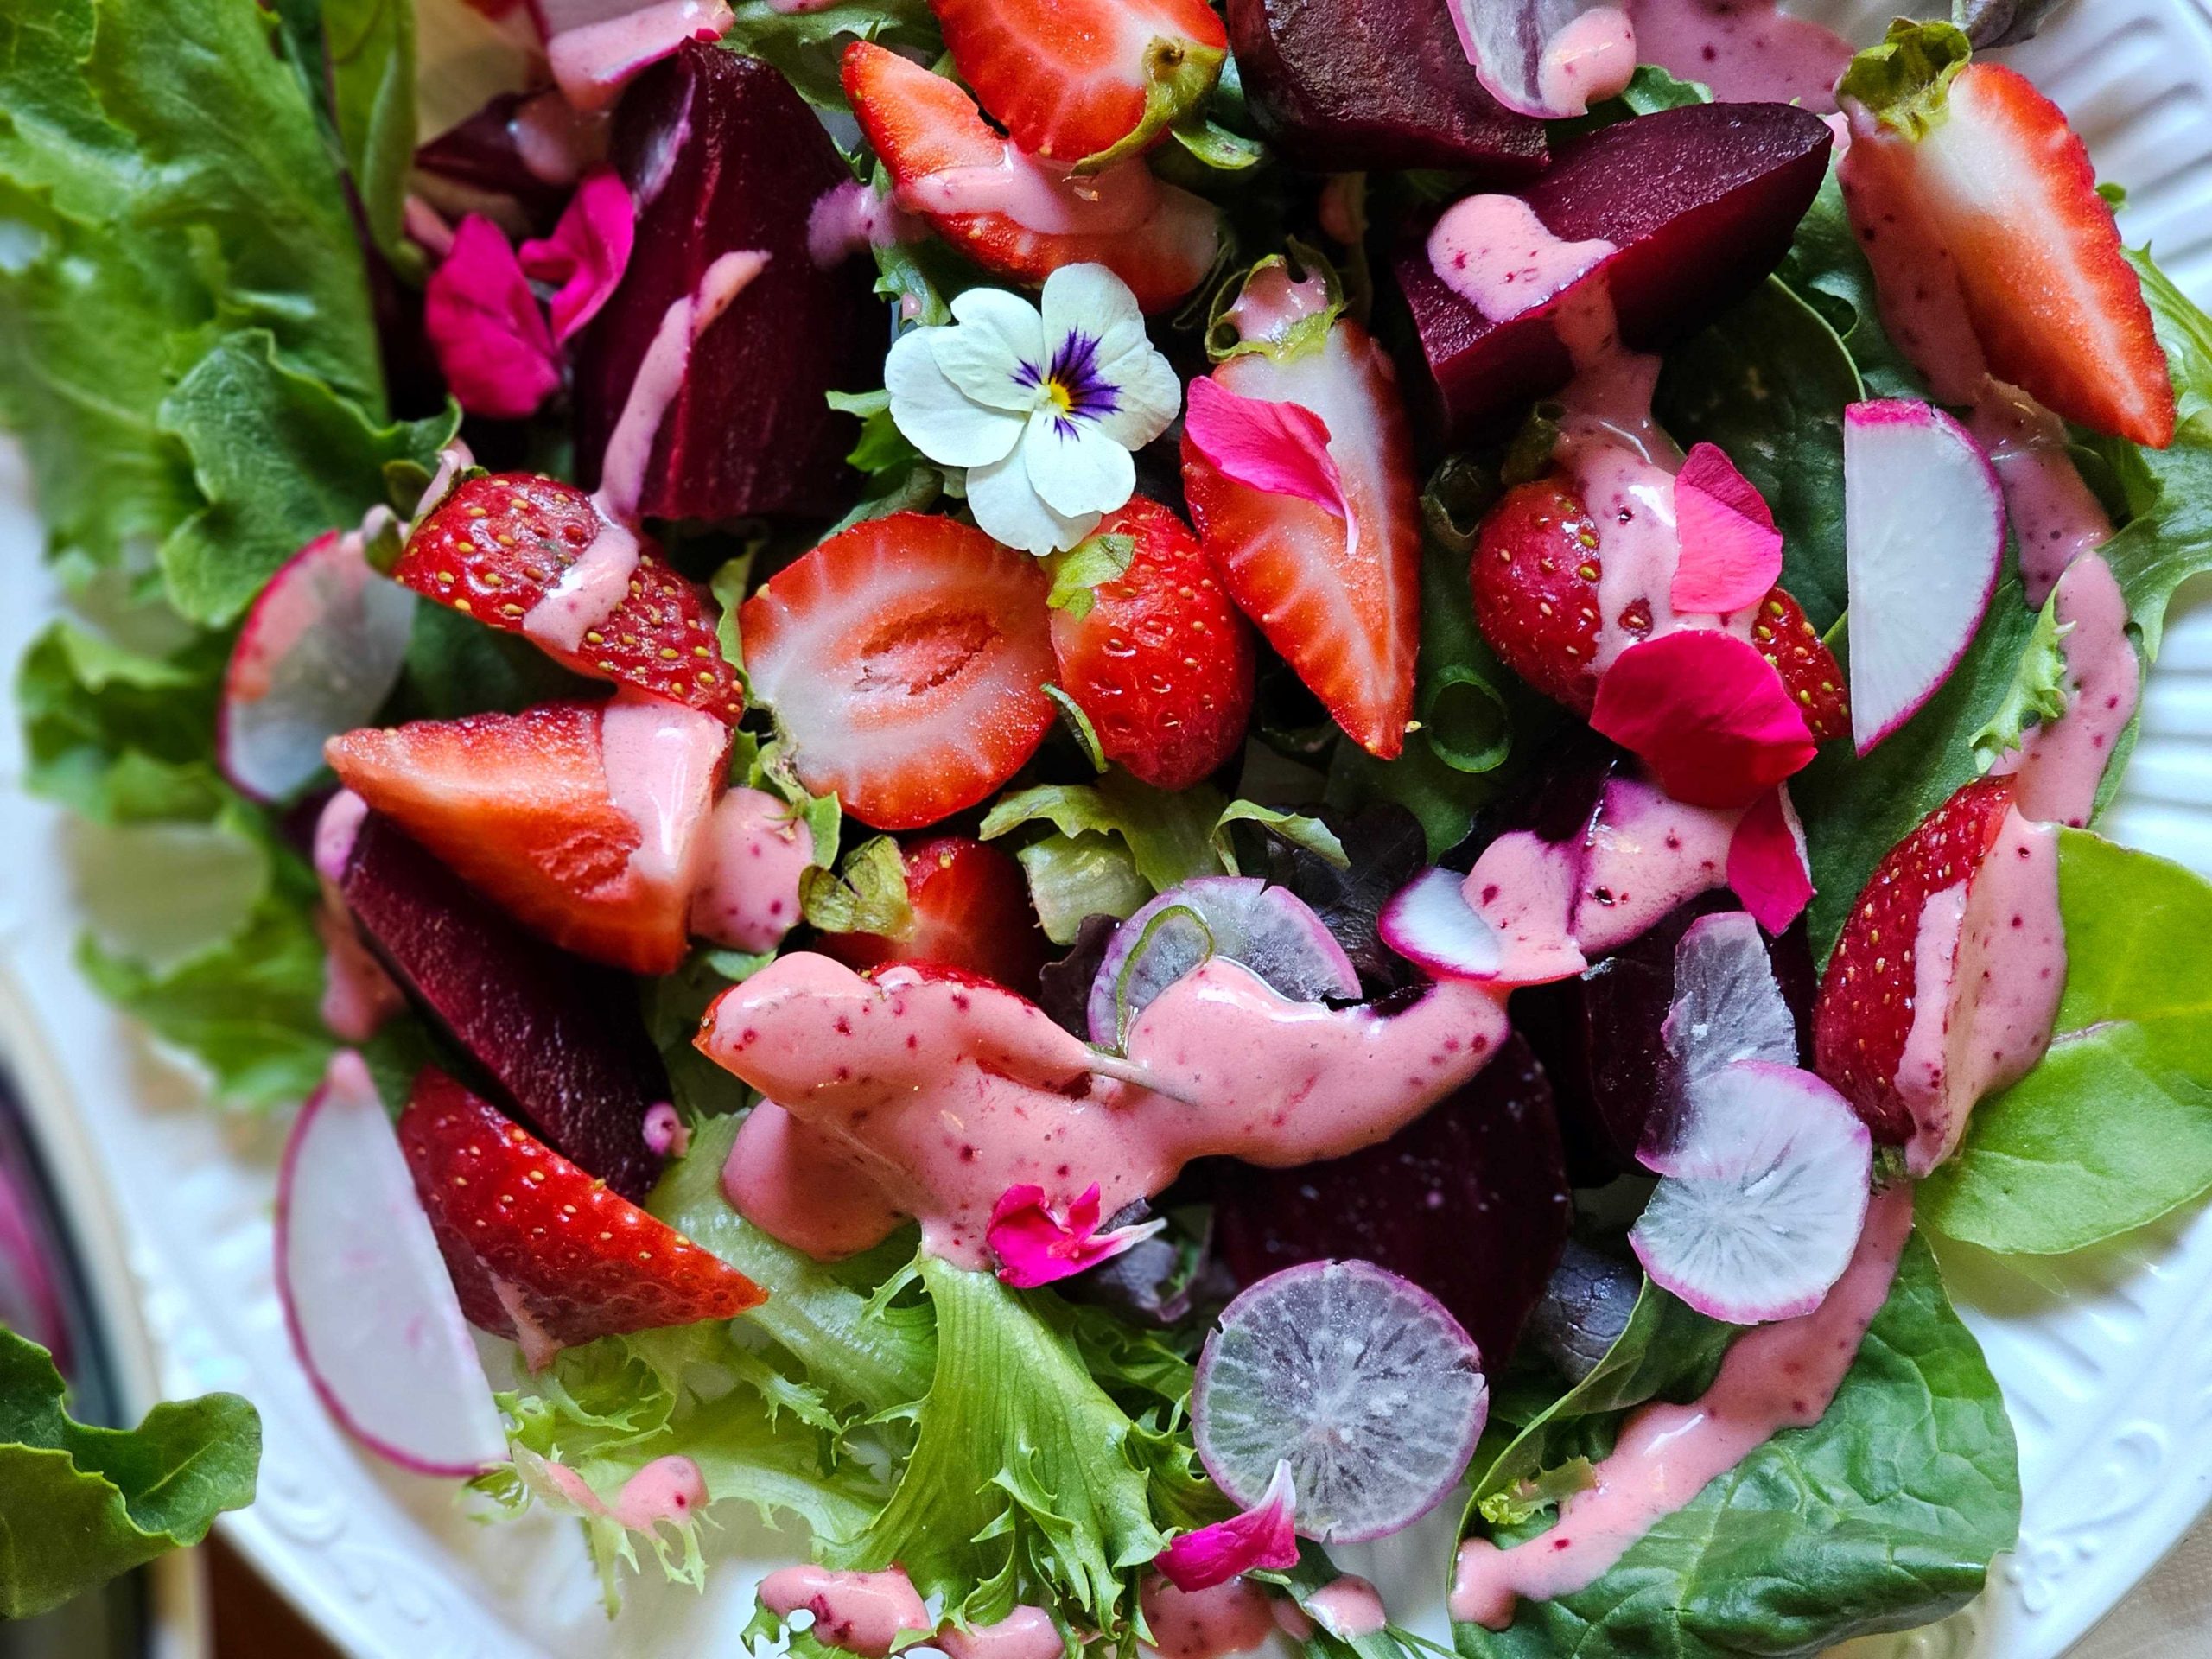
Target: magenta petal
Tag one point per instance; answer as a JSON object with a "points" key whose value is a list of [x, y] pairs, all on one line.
{"points": [[1261, 1538], [1034, 1247], [1731, 551], [484, 326], [587, 252], [1766, 862], [1282, 448], [1706, 713]]}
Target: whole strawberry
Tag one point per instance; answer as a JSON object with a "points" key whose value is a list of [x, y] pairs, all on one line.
{"points": [[1158, 659]]}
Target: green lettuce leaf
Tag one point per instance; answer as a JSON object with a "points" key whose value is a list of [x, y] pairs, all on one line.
{"points": [[116, 735], [1070, 877], [2037, 692], [368, 48], [1883, 1515], [79, 1505], [1169, 835], [807, 44], [1826, 269], [2114, 1128]]}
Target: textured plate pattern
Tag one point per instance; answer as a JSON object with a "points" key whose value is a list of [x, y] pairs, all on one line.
{"points": [[2108, 1367]]}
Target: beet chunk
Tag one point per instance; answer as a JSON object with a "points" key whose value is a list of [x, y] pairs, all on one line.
{"points": [[1345, 84], [563, 1038], [1469, 1203], [722, 156]]}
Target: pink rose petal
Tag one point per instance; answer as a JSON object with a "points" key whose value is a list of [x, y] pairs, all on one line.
{"points": [[1767, 865], [587, 252], [484, 326], [1259, 1538], [1706, 713], [1034, 1247], [1732, 553], [1282, 448]]}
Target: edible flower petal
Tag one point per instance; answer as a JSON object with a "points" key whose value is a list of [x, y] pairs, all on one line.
{"points": [[1034, 1247], [1281, 448], [1732, 553], [483, 324], [1261, 1538], [1767, 865], [584, 259], [1706, 713], [1043, 408]]}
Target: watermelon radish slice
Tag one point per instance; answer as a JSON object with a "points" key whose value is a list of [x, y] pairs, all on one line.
{"points": [[1763, 1191], [1269, 930], [318, 652], [370, 1306], [1546, 58], [1360, 1381], [1727, 1006], [1430, 924]]}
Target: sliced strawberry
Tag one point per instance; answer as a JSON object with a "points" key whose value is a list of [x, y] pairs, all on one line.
{"points": [[1012, 213], [1998, 179], [1807, 667], [1534, 576], [1160, 662], [971, 911], [578, 819], [1340, 602], [1073, 79], [498, 546], [906, 659], [1864, 1010], [539, 1250]]}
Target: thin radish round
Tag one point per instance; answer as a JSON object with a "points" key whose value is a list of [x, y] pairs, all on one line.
{"points": [[318, 652], [1762, 1194], [1924, 520], [371, 1310], [1726, 1005], [1546, 58], [1360, 1380], [1269, 930], [1430, 923]]}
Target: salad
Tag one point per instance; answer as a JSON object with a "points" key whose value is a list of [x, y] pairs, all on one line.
{"points": [[1098, 793]]}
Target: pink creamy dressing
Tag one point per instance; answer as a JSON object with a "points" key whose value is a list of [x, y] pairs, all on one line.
{"points": [[1746, 50], [2056, 516], [556, 141], [2062, 762], [668, 1489], [865, 1613], [665, 1132], [1270, 303], [358, 995], [1591, 58], [754, 852], [595, 61], [1349, 1607], [851, 217], [1496, 254], [1778, 1376], [587, 592], [1233, 1617], [662, 761], [1039, 195], [806, 1186], [1025, 1633], [947, 1093]]}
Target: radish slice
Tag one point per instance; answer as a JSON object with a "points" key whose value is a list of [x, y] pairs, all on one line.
{"points": [[1546, 58], [1360, 1383], [1923, 519], [1430, 924], [1727, 1007], [320, 652], [371, 1310], [1269, 930], [1764, 1191]]}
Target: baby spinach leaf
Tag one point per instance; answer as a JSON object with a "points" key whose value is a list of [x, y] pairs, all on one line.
{"points": [[1828, 271]]}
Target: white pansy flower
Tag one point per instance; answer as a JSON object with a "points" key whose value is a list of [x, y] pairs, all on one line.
{"points": [[1042, 408]]}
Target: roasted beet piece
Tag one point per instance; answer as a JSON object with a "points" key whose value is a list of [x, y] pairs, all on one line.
{"points": [[722, 156], [1344, 85], [561, 1037], [1700, 202], [1469, 1203]]}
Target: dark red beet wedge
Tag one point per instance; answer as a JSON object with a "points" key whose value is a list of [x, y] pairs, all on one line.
{"points": [[722, 156], [561, 1036], [1339, 85], [1469, 1203], [1700, 202]]}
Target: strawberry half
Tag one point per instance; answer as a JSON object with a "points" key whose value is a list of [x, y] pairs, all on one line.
{"points": [[1534, 579], [1341, 602], [1161, 663], [975, 188], [1994, 174], [1864, 1010], [577, 819], [498, 546], [539, 1250], [971, 911], [1072, 80], [906, 659], [1784, 637]]}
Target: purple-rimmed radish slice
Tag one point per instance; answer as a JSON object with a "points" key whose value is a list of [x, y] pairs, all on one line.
{"points": [[370, 1308], [1430, 923], [1924, 531], [1269, 930], [1361, 1382], [1548, 59], [1764, 1189], [318, 652], [1726, 1005]]}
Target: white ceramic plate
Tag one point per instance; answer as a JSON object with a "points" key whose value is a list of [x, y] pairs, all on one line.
{"points": [[2107, 1369]]}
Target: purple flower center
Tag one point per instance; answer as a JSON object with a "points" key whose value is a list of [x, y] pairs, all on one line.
{"points": [[1073, 381]]}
